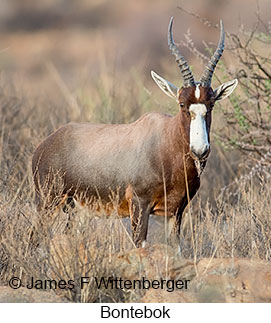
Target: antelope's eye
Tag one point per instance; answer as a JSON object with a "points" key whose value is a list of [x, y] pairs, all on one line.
{"points": [[182, 105]]}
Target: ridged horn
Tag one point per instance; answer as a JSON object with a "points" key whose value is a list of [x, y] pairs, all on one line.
{"points": [[184, 67], [206, 77]]}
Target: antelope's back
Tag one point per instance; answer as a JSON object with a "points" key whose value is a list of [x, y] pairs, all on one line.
{"points": [[102, 158]]}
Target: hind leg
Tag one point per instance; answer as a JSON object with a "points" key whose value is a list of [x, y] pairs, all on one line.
{"points": [[67, 208], [69, 203]]}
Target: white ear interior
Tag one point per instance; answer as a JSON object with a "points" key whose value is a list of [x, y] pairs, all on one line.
{"points": [[225, 89], [167, 87]]}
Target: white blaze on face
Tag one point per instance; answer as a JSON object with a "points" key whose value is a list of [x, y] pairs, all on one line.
{"points": [[197, 92], [198, 133]]}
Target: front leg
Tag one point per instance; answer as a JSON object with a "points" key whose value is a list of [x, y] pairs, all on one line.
{"points": [[174, 237], [179, 213], [139, 214]]}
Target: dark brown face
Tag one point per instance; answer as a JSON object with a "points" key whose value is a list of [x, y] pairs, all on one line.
{"points": [[196, 103]]}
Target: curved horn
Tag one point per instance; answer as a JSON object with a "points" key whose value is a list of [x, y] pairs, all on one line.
{"points": [[184, 67], [206, 77]]}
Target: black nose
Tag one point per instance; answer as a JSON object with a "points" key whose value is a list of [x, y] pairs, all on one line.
{"points": [[200, 154]]}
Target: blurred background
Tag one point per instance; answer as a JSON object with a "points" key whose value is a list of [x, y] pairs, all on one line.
{"points": [[82, 37]]}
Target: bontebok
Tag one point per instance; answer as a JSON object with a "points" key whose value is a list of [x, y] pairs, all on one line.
{"points": [[153, 164]]}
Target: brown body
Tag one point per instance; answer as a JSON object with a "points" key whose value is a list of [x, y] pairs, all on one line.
{"points": [[149, 165], [137, 161]]}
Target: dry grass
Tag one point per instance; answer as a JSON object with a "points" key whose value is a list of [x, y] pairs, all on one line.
{"points": [[230, 215]]}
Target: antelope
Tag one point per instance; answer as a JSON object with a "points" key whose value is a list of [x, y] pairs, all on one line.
{"points": [[154, 163]]}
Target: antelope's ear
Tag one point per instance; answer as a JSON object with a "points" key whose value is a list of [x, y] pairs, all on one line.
{"points": [[167, 87], [225, 89]]}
